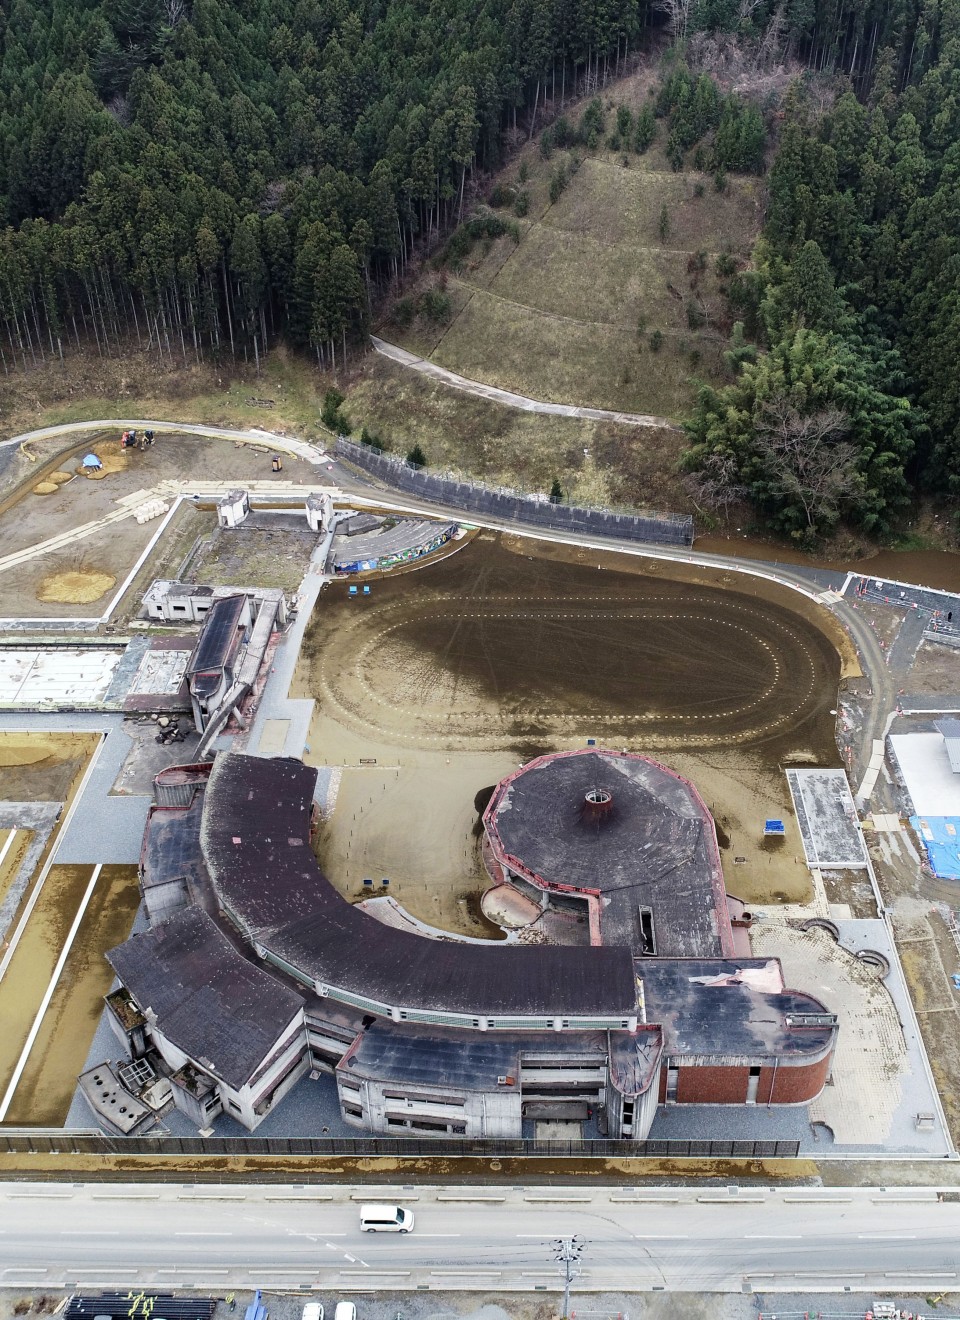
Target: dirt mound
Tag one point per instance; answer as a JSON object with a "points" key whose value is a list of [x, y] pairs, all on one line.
{"points": [[78, 587], [60, 477], [111, 458], [46, 488]]}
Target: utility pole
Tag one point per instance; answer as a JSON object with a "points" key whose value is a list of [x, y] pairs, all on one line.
{"points": [[567, 1253]]}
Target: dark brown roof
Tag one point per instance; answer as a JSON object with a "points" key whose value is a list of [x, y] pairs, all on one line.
{"points": [[209, 1001], [256, 841], [652, 845]]}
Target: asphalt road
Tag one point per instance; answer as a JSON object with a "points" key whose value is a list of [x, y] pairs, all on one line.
{"points": [[801, 1239]]}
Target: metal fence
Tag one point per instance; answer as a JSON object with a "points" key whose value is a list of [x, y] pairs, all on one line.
{"points": [[514, 506], [45, 1141]]}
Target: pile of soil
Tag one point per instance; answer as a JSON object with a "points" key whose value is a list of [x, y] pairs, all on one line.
{"points": [[78, 587]]}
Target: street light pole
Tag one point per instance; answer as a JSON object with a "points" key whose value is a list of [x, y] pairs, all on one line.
{"points": [[567, 1252]]}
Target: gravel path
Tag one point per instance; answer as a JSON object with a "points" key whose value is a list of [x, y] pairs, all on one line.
{"points": [[426, 368]]}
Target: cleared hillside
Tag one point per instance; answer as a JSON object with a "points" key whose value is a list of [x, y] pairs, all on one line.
{"points": [[625, 255]]}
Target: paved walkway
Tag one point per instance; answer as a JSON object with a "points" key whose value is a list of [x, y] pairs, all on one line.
{"points": [[482, 391]]}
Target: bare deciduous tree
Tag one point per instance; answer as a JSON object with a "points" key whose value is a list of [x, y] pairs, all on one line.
{"points": [[176, 11], [717, 484], [807, 460], [678, 15]]}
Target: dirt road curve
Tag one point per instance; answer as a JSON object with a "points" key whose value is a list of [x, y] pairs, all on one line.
{"points": [[288, 444], [405, 359]]}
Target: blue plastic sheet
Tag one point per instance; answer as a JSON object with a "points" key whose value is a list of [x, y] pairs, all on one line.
{"points": [[940, 836]]}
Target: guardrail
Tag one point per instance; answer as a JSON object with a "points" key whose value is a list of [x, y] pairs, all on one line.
{"points": [[513, 506]]}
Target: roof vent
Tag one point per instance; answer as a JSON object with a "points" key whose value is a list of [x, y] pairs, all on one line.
{"points": [[597, 805]]}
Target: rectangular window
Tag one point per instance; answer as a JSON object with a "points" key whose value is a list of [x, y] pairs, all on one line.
{"points": [[648, 936], [235, 1107], [353, 1110]]}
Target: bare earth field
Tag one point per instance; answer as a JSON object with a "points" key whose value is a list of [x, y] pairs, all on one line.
{"points": [[107, 555], [443, 681]]}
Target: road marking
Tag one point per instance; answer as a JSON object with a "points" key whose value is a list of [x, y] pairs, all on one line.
{"points": [[99, 1270], [26, 1269], [88, 1232], [773, 1237], [887, 1237]]}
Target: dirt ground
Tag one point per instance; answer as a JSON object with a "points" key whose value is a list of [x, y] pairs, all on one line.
{"points": [[449, 678], [936, 670], [110, 552], [42, 767]]}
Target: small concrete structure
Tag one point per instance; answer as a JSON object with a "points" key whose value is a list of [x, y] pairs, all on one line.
{"points": [[319, 512], [233, 508], [190, 602], [827, 816], [112, 1102]]}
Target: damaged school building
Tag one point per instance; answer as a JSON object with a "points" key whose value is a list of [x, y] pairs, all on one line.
{"points": [[255, 970]]}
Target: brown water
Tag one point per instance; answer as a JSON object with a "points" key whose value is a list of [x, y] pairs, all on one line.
{"points": [[49, 1080], [939, 569], [34, 959]]}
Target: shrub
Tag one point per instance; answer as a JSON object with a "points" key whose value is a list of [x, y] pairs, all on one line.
{"points": [[556, 492], [725, 265], [501, 196], [521, 204], [558, 181], [331, 414], [592, 124], [435, 305], [698, 190], [403, 312], [695, 314], [663, 225], [523, 173], [547, 141], [646, 129], [417, 457], [564, 134], [656, 341], [720, 181], [624, 122]]}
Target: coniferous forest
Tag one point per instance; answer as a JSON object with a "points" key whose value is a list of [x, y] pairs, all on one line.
{"points": [[203, 177]]}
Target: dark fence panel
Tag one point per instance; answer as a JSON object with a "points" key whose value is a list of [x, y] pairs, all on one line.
{"points": [[469, 497], [23, 1141]]}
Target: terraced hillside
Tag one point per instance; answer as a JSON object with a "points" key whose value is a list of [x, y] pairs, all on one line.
{"points": [[622, 260]]}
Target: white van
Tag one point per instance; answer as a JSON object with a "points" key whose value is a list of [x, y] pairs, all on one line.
{"points": [[385, 1219]]}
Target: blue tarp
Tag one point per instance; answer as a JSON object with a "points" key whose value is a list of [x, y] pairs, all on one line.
{"points": [[940, 836]]}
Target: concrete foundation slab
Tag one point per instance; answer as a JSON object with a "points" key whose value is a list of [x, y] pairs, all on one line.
{"points": [[62, 676], [829, 826]]}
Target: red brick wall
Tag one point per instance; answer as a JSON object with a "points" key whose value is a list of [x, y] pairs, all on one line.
{"points": [[795, 1085], [728, 1085], [712, 1086]]}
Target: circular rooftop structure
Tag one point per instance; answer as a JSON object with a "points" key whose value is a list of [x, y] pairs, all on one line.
{"points": [[625, 831]]}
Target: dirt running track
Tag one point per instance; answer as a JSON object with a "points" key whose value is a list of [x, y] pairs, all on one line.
{"points": [[492, 648]]}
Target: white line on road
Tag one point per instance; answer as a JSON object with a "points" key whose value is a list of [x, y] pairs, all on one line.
{"points": [[887, 1237], [88, 1232], [773, 1237]]}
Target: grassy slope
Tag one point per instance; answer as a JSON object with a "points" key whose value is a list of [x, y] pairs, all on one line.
{"points": [[557, 316]]}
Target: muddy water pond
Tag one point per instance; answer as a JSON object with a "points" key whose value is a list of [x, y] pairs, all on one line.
{"points": [[442, 681], [49, 1080], [939, 569]]}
